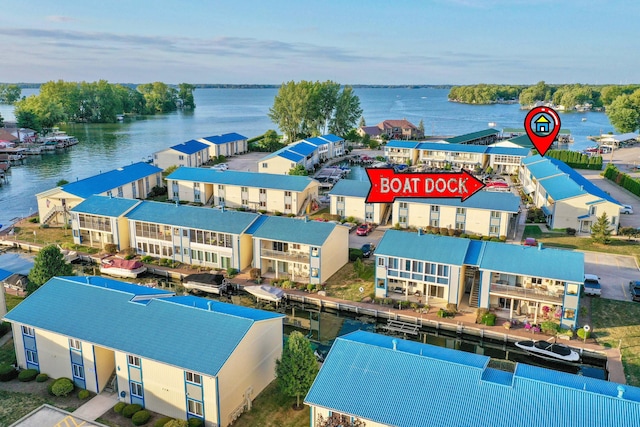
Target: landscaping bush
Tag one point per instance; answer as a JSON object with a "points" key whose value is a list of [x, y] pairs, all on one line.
{"points": [[177, 423], [571, 231], [162, 421], [62, 387], [119, 407], [277, 213], [503, 238], [7, 372], [486, 238], [549, 327], [254, 273], [582, 334], [231, 272], [494, 239], [566, 332], [354, 254], [27, 375], [311, 287], [444, 313], [111, 248], [480, 312], [83, 394], [131, 409], [475, 237], [50, 388], [140, 417], [40, 378], [489, 319], [464, 235], [195, 422]]}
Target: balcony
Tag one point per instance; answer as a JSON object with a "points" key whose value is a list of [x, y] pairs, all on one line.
{"points": [[535, 293], [285, 256]]}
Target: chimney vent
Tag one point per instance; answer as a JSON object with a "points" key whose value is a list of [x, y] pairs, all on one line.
{"points": [[539, 246], [209, 305], [395, 344], [621, 391]]}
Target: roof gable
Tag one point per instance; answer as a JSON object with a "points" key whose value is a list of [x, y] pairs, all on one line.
{"points": [[105, 206], [351, 188], [427, 247], [106, 181], [190, 147], [295, 230], [240, 178], [224, 138]]}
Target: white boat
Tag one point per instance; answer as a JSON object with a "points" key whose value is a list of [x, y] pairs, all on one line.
{"points": [[119, 267], [206, 282], [69, 256], [548, 350], [584, 119], [266, 292]]}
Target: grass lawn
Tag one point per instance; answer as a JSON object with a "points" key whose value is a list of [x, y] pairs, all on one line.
{"points": [[272, 409], [7, 353], [12, 301], [345, 283], [16, 405], [532, 231], [615, 323]]}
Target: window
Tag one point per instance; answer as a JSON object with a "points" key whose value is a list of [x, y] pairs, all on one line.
{"points": [[461, 211], [287, 194], [263, 204], [435, 208], [133, 360], [434, 223], [265, 165], [180, 157], [340, 199], [280, 246], [244, 189], [494, 229], [536, 281], [194, 378], [403, 205], [460, 226], [402, 219], [314, 272], [295, 246], [569, 313], [136, 389], [314, 251], [495, 214], [220, 187], [245, 202], [194, 407], [380, 284], [120, 193], [381, 261], [78, 371], [287, 206], [26, 330], [263, 191], [32, 357], [592, 210], [75, 344], [572, 289], [613, 220]]}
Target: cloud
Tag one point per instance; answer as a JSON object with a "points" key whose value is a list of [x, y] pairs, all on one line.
{"points": [[59, 18]]}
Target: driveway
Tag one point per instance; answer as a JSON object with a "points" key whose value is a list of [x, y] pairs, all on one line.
{"points": [[247, 162], [374, 237], [615, 272], [620, 194]]}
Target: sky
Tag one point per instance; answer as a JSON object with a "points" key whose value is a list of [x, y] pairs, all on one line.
{"points": [[348, 41]]}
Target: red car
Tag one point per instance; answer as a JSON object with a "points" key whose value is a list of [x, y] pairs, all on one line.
{"points": [[530, 241], [363, 230]]}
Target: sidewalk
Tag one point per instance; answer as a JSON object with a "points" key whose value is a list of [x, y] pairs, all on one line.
{"points": [[97, 406]]}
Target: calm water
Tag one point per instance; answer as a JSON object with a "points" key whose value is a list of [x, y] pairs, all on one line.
{"points": [[106, 147]]}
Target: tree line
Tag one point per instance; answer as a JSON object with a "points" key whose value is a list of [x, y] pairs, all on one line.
{"points": [[576, 159], [485, 93], [98, 102], [304, 109], [9, 93]]}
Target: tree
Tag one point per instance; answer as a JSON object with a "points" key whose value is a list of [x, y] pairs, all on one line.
{"points": [[48, 263], [624, 112], [159, 97], [185, 93], [629, 232], [1, 121], [421, 127], [61, 183], [362, 122], [270, 141], [28, 119], [298, 367], [298, 170], [9, 93], [600, 231], [347, 111]]}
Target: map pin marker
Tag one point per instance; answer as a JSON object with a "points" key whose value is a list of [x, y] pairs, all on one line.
{"points": [[542, 125]]}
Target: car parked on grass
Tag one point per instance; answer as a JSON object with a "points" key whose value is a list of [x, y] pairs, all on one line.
{"points": [[591, 285], [367, 249], [363, 229], [634, 288], [626, 209]]}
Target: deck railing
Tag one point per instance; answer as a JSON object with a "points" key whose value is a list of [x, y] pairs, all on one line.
{"points": [[285, 256], [533, 294]]}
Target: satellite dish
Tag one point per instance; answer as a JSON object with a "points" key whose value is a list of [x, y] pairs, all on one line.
{"points": [[361, 289], [586, 328]]}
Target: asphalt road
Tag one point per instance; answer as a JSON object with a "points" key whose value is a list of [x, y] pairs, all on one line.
{"points": [[620, 194], [615, 273]]}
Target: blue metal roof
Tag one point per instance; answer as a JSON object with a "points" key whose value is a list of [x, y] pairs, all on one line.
{"points": [[117, 285], [104, 182], [295, 230], [458, 148], [224, 308], [364, 377], [549, 263], [200, 218], [302, 148], [579, 179], [562, 187], [492, 200], [401, 144], [104, 316], [351, 188], [290, 155], [508, 151], [332, 138], [256, 224], [223, 139], [317, 141], [244, 179], [544, 170], [532, 159], [426, 247], [474, 253], [190, 147], [105, 206], [4, 274]]}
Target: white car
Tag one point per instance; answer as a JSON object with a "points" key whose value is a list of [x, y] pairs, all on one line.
{"points": [[626, 209], [592, 285], [220, 167]]}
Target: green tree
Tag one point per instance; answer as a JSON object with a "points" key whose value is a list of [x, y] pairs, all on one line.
{"points": [[298, 170], [270, 141], [61, 183], [159, 97], [421, 127], [624, 112], [1, 121], [362, 122], [9, 93], [539, 92], [298, 367], [328, 95], [28, 119], [185, 93], [48, 263], [347, 111], [600, 231], [289, 108], [48, 111]]}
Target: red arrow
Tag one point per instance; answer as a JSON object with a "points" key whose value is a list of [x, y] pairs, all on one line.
{"points": [[386, 185]]}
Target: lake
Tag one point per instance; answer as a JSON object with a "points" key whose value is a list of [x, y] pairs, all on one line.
{"points": [[218, 111]]}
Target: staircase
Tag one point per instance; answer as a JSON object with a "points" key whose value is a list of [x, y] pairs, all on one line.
{"points": [[112, 384], [51, 214], [387, 215], [470, 275]]}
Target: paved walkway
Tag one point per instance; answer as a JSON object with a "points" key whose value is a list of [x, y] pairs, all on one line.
{"points": [[97, 406]]}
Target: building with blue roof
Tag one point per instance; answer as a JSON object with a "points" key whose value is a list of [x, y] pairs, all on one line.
{"points": [[515, 279], [401, 152], [191, 153], [300, 250], [307, 153], [482, 137], [100, 221], [228, 144], [567, 198], [288, 194], [208, 361], [133, 181], [372, 378], [486, 213], [347, 199], [212, 238]]}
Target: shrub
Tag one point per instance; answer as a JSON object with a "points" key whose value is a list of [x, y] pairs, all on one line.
{"points": [[177, 423], [50, 388], [549, 327], [40, 378], [62, 387], [291, 215], [140, 417], [119, 407], [162, 421], [571, 231], [444, 313], [7, 372], [480, 312], [582, 334], [232, 271], [474, 237], [277, 213], [452, 308], [443, 231], [83, 394], [494, 239], [351, 219], [489, 319], [262, 211], [503, 238], [464, 235], [131, 409], [130, 256], [195, 422], [451, 232], [111, 248], [286, 284], [355, 254], [27, 375], [311, 287], [486, 238], [566, 332], [34, 220], [146, 259], [387, 301]]}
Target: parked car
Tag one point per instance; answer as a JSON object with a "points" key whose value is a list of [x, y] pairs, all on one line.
{"points": [[626, 209], [363, 230], [397, 290], [591, 285], [530, 241], [220, 167], [367, 249], [634, 287]]}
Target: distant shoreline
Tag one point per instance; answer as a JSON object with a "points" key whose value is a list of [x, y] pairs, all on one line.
{"points": [[260, 86]]}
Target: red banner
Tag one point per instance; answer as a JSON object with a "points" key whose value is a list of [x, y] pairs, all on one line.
{"points": [[386, 185]]}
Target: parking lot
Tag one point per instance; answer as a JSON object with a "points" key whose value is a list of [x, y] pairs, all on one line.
{"points": [[615, 273], [374, 237]]}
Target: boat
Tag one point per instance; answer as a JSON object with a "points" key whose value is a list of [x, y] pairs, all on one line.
{"points": [[206, 282], [119, 267], [547, 350], [584, 119], [266, 292], [69, 256]]}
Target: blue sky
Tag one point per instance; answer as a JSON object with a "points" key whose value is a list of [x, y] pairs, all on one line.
{"points": [[348, 41]]}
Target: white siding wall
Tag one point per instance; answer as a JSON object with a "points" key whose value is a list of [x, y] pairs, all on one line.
{"points": [[334, 253]]}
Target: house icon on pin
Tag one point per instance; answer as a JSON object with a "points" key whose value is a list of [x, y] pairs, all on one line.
{"points": [[542, 124]]}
